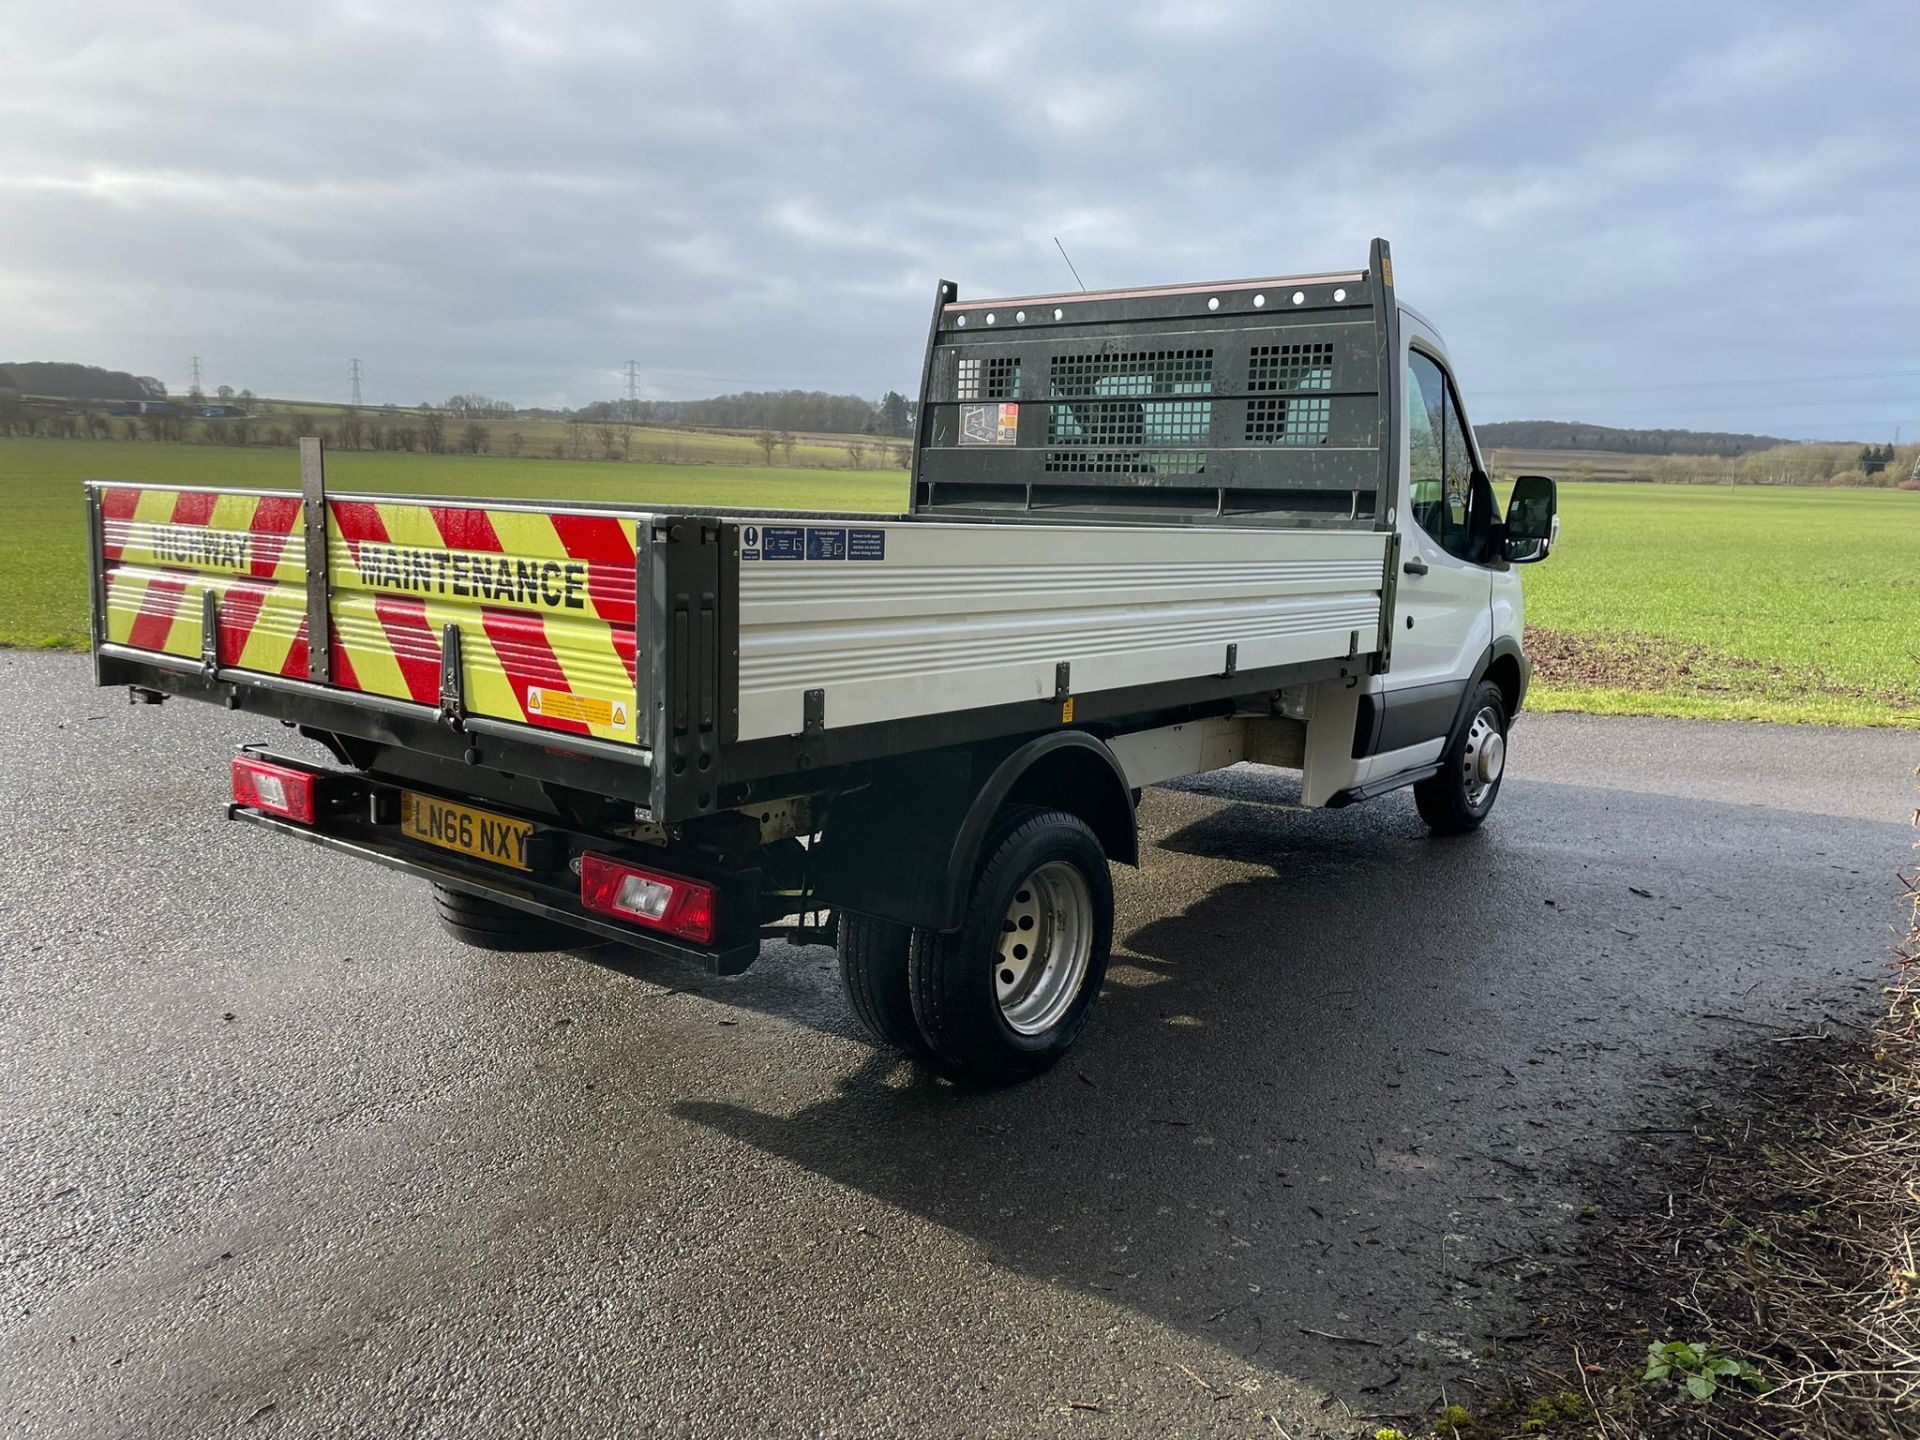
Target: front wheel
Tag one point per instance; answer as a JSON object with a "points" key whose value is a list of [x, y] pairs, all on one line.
{"points": [[1007, 994], [1471, 767]]}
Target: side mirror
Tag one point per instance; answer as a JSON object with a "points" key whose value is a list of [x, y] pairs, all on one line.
{"points": [[1533, 519]]}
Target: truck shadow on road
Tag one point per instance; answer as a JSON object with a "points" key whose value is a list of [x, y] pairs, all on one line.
{"points": [[1342, 1070]]}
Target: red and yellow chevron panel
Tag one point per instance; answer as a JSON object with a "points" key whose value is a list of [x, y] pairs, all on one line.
{"points": [[164, 549], [545, 603]]}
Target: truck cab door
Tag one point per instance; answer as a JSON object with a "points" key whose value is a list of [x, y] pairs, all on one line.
{"points": [[1442, 621]]}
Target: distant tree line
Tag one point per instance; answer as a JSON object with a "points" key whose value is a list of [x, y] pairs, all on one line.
{"points": [[796, 410], [1875, 458], [1575, 435], [476, 407], [77, 382], [1786, 464]]}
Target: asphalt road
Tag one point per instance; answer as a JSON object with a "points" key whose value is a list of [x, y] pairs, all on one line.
{"points": [[279, 1158]]}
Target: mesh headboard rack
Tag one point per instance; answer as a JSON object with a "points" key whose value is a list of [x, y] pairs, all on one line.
{"points": [[1256, 402]]}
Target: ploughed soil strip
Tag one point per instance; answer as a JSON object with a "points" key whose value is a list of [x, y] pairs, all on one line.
{"points": [[1751, 1262], [1620, 660]]}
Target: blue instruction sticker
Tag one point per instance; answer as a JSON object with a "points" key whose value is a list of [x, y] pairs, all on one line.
{"points": [[866, 545], [783, 542], [826, 544]]}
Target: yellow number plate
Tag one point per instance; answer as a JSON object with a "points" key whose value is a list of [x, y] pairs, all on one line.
{"points": [[479, 833]]}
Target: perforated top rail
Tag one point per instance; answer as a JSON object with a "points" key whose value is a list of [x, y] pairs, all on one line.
{"points": [[1205, 288], [1262, 401]]}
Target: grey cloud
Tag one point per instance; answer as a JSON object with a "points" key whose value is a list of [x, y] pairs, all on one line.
{"points": [[1612, 211]]}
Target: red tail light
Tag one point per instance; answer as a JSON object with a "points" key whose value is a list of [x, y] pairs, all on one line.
{"points": [[646, 897], [277, 789]]}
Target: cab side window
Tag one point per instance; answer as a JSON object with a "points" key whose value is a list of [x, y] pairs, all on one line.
{"points": [[1426, 459], [1447, 497]]}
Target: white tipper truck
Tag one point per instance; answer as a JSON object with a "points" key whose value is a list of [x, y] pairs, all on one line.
{"points": [[1152, 532]]}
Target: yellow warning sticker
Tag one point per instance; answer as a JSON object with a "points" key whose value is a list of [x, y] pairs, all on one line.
{"points": [[1066, 712], [584, 709]]}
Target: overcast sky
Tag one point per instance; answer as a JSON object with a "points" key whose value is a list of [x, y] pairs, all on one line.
{"points": [[1691, 214]]}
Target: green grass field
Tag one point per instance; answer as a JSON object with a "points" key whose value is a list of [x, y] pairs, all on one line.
{"points": [[1739, 602], [1730, 602]]}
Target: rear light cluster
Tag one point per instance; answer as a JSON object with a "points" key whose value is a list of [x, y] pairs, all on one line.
{"points": [[277, 789], [646, 897]]}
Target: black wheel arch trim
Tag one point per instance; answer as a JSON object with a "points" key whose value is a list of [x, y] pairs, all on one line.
{"points": [[1504, 647], [906, 847]]}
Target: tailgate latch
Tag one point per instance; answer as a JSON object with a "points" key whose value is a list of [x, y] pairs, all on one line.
{"points": [[210, 632], [453, 700]]}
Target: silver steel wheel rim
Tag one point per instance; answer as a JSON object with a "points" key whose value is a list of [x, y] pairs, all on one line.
{"points": [[1046, 941], [1483, 757]]}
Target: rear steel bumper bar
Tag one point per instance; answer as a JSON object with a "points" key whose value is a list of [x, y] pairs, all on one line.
{"points": [[551, 895]]}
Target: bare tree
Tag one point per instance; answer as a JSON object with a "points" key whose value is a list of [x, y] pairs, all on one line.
{"points": [[857, 453], [130, 429], [225, 392], [768, 443], [516, 442], [786, 446], [353, 430], [609, 437], [473, 439], [433, 431]]}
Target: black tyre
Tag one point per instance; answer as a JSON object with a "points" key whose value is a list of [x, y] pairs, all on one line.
{"points": [[486, 925], [873, 972], [1471, 768], [1008, 993]]}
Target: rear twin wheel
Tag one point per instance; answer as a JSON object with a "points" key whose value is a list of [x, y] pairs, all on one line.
{"points": [[488, 925], [1006, 994]]}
